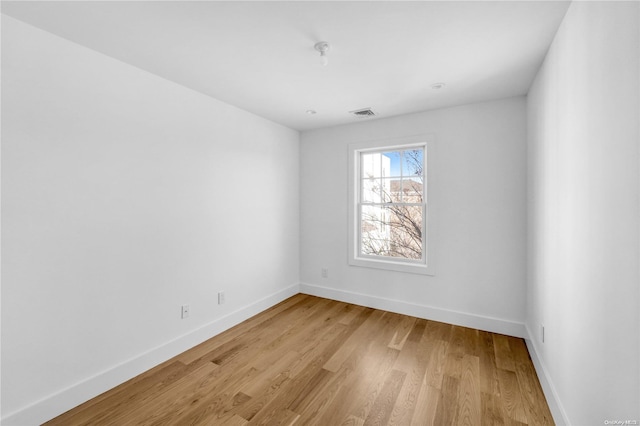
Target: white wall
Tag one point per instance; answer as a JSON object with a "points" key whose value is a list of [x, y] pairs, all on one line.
{"points": [[124, 196], [480, 225], [583, 227]]}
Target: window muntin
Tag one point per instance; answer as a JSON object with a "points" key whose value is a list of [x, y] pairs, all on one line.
{"points": [[391, 204]]}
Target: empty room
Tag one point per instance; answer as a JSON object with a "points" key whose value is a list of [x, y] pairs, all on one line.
{"points": [[320, 213]]}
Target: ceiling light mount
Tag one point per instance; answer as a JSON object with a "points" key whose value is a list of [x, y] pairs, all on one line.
{"points": [[323, 47]]}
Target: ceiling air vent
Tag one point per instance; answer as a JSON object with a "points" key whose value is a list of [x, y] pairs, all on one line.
{"points": [[365, 112]]}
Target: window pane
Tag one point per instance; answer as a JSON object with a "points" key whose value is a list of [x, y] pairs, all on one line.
{"points": [[375, 191], [370, 165], [406, 231], [392, 231], [395, 190], [382, 164], [375, 230], [381, 191], [413, 160], [412, 191], [391, 163]]}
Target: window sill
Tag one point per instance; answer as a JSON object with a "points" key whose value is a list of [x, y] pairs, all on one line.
{"points": [[390, 265]]}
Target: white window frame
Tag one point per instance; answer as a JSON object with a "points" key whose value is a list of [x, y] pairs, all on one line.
{"points": [[427, 265]]}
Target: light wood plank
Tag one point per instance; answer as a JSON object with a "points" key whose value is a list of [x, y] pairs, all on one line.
{"points": [[361, 337], [492, 410], [236, 420], [488, 369], [455, 352], [426, 405], [504, 357], [402, 333], [413, 361], [437, 361], [531, 391], [469, 404], [511, 397], [383, 406], [447, 409], [353, 421], [352, 312]]}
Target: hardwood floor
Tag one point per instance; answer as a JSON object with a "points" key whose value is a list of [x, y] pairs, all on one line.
{"points": [[313, 361]]}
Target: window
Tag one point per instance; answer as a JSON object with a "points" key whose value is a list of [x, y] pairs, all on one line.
{"points": [[388, 212]]}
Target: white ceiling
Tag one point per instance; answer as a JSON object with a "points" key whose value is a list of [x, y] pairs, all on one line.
{"points": [[259, 56]]}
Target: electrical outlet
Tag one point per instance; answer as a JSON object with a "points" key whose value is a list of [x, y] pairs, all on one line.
{"points": [[324, 272], [185, 312], [221, 298]]}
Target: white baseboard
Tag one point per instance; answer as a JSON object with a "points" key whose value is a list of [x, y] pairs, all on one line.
{"points": [[494, 325], [56, 404], [550, 393]]}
